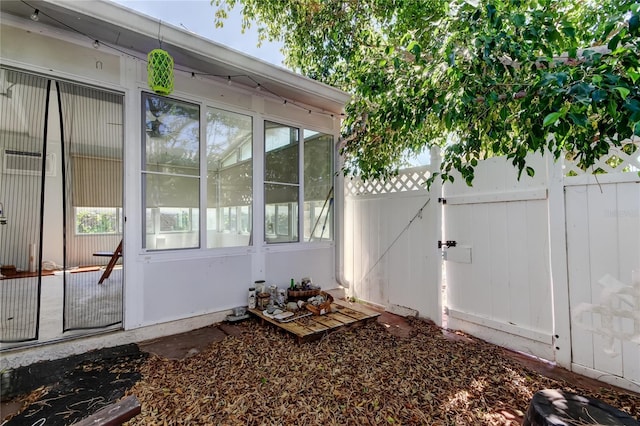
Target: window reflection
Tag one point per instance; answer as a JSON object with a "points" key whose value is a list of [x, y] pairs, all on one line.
{"points": [[229, 178], [282, 184], [171, 173]]}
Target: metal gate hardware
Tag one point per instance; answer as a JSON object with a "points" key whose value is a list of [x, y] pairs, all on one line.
{"points": [[447, 244], [442, 200]]}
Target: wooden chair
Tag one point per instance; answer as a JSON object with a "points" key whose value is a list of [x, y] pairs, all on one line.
{"points": [[112, 262]]}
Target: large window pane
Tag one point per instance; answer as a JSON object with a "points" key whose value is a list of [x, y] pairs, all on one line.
{"points": [[318, 186], [229, 178], [171, 211], [281, 213], [172, 131], [171, 173], [281, 151], [282, 183]]}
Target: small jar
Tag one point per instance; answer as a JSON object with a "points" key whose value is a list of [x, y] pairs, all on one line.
{"points": [[282, 296], [252, 298], [260, 286], [263, 300], [273, 292]]}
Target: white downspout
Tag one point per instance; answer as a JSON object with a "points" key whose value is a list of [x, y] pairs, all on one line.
{"points": [[339, 224]]}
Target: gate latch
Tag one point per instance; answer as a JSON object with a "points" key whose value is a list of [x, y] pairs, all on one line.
{"points": [[447, 244]]}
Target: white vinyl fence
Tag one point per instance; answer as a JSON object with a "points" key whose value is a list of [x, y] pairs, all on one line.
{"points": [[391, 234], [549, 265], [603, 263]]}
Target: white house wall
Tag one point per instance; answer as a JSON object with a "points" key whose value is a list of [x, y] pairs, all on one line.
{"points": [[312, 262], [181, 288], [32, 47]]}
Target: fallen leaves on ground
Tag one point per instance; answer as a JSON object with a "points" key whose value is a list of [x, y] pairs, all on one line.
{"points": [[360, 376]]}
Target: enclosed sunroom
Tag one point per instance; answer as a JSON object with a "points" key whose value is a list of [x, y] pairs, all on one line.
{"points": [[128, 213]]}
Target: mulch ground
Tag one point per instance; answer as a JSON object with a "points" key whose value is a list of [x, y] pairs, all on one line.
{"points": [[363, 375]]}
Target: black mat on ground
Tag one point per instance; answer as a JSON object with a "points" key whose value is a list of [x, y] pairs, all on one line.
{"points": [[77, 386]]}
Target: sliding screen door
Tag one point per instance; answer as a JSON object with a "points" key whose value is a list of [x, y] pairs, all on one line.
{"points": [[93, 212]]}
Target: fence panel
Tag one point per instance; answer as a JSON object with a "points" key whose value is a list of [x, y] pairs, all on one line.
{"points": [[391, 233], [603, 248]]}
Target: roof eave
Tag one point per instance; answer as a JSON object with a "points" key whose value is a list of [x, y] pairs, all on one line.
{"points": [[116, 15]]}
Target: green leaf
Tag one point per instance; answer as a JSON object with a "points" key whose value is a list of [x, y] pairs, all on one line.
{"points": [[613, 43], [633, 74], [491, 12], [579, 119], [632, 105], [624, 92], [598, 95], [519, 20], [416, 49], [530, 171], [551, 118], [634, 24], [569, 31]]}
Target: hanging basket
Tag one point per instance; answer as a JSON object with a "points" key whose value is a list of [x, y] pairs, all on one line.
{"points": [[160, 71]]}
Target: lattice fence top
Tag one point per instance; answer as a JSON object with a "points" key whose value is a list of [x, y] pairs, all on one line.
{"points": [[625, 158], [412, 179]]}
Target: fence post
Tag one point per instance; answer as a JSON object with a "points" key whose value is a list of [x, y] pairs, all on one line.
{"points": [[558, 263], [435, 193]]}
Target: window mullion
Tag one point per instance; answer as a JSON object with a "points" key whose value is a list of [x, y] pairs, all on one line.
{"points": [[204, 201], [301, 185]]}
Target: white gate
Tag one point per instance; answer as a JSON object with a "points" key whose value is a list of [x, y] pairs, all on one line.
{"points": [[603, 257], [496, 250], [391, 258]]}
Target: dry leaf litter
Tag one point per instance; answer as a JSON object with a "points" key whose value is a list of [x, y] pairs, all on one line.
{"points": [[358, 376]]}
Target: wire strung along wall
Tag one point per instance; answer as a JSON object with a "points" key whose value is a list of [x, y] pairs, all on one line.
{"points": [[93, 216], [23, 132]]}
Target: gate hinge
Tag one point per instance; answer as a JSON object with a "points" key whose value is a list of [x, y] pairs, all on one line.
{"points": [[447, 244], [442, 200]]}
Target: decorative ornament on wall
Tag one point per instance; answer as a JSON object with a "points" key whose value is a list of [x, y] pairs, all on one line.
{"points": [[160, 71]]}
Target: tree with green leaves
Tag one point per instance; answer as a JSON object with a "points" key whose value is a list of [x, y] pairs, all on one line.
{"points": [[476, 77]]}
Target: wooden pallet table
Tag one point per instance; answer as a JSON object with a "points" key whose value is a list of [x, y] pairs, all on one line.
{"points": [[311, 327]]}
